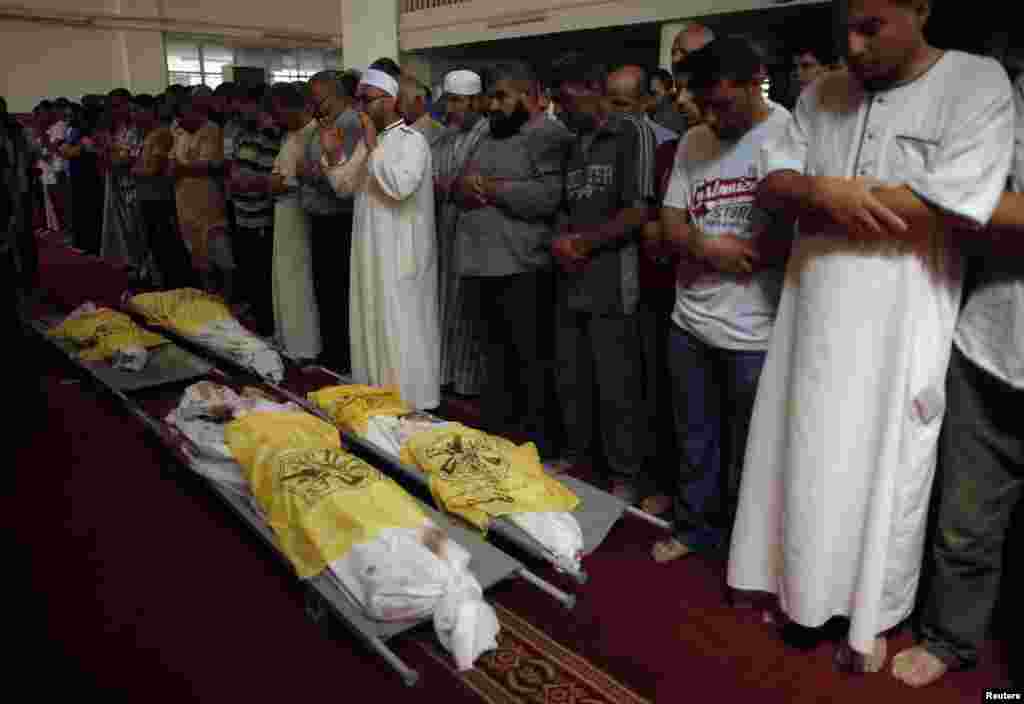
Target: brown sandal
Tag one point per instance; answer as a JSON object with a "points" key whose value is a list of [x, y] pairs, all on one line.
{"points": [[669, 550]]}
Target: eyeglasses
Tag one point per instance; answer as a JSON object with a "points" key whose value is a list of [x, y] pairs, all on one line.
{"points": [[366, 101]]}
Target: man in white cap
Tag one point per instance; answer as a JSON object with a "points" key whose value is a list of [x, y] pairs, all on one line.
{"points": [[462, 357], [395, 335], [462, 91]]}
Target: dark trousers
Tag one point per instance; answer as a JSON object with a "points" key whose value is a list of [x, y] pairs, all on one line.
{"points": [[981, 468], [332, 256], [159, 220], [656, 322], [601, 356], [29, 396], [254, 256], [87, 207], [515, 339], [714, 391]]}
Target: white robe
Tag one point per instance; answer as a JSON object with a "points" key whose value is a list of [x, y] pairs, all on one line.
{"points": [[296, 316], [393, 304], [842, 446]]}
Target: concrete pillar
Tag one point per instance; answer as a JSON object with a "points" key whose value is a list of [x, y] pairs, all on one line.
{"points": [[418, 66], [668, 35], [369, 31]]}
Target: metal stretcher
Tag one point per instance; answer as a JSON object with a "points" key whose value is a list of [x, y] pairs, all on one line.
{"points": [[172, 365], [597, 513]]}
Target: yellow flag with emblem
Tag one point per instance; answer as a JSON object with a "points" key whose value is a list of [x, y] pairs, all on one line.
{"points": [[351, 406], [188, 310], [480, 476], [319, 500], [100, 334]]}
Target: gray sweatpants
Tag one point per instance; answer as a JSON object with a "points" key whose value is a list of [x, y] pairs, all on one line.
{"points": [[980, 474]]}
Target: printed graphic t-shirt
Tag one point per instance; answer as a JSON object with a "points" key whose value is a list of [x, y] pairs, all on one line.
{"points": [[715, 181]]}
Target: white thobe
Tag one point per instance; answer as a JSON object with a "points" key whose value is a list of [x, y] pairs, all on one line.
{"points": [[842, 445], [296, 316], [394, 328]]}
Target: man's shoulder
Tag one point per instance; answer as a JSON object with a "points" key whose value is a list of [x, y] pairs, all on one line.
{"points": [[973, 66], [630, 125], [699, 144], [410, 137], [547, 139]]}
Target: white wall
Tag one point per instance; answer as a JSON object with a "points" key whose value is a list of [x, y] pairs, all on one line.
{"points": [[48, 62], [313, 16]]}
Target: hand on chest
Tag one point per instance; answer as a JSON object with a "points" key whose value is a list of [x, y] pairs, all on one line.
{"points": [[510, 162]]}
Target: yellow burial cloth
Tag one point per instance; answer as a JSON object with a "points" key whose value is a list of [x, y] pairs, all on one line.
{"points": [[103, 333], [351, 406], [188, 310], [319, 500], [480, 476]]}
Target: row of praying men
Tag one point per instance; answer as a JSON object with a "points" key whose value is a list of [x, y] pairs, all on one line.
{"points": [[809, 296]]}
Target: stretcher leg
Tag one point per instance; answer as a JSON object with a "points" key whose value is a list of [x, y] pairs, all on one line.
{"points": [[653, 520], [567, 600], [318, 610]]}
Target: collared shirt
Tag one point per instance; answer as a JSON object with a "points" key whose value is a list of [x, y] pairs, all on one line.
{"points": [[255, 152], [316, 194], [613, 172], [990, 331], [661, 134], [918, 134], [431, 129]]}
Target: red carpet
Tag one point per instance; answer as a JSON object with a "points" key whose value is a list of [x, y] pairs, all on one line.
{"points": [[133, 580]]}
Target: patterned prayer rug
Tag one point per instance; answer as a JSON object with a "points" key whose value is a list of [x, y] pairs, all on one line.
{"points": [[530, 668]]}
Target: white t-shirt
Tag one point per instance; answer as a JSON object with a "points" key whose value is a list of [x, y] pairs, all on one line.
{"points": [[990, 331], [714, 181]]}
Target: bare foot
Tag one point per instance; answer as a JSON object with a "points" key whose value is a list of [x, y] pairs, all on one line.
{"points": [[656, 504], [849, 660], [917, 667], [669, 550]]}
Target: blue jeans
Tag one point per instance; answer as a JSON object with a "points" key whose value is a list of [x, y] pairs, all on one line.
{"points": [[713, 397]]}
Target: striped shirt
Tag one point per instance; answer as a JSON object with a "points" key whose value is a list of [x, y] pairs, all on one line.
{"points": [[255, 152], [605, 172]]}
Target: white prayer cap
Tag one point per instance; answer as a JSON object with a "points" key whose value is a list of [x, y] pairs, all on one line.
{"points": [[462, 82], [379, 79]]}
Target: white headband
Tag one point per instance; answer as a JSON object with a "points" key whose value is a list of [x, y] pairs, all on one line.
{"points": [[379, 79]]}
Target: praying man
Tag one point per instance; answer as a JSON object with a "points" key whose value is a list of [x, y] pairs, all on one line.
{"points": [[393, 305]]}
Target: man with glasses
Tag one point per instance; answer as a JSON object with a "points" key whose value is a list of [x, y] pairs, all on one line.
{"points": [[330, 214], [396, 336]]}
